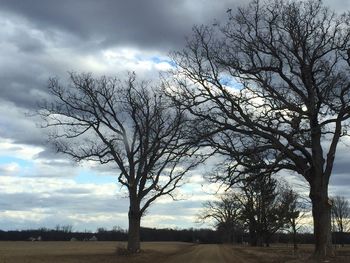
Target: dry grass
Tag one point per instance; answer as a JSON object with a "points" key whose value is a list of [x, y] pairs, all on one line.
{"points": [[285, 253], [69, 252]]}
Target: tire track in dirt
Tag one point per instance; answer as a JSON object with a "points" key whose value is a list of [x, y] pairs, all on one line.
{"points": [[210, 254]]}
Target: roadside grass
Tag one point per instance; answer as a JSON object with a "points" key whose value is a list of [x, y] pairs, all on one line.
{"points": [[285, 253]]}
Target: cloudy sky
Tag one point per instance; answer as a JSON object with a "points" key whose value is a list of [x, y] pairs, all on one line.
{"points": [[41, 39]]}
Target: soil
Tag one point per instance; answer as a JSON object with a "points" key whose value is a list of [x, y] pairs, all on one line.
{"points": [[211, 253]]}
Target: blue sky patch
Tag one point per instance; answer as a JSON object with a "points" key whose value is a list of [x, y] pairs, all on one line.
{"points": [[86, 176]]}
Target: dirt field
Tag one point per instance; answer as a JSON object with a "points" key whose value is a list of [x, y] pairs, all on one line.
{"points": [[160, 252]]}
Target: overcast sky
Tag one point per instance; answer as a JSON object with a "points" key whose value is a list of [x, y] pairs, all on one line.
{"points": [[41, 39]]}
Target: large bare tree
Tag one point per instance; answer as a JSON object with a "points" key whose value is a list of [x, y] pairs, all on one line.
{"points": [[270, 89], [127, 124]]}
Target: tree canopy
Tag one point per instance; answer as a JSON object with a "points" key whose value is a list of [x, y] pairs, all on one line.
{"points": [[128, 124]]}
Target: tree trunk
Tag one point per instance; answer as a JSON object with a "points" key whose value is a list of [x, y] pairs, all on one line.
{"points": [[134, 226], [341, 230], [259, 240], [294, 235], [253, 240], [295, 244], [252, 235], [321, 213]]}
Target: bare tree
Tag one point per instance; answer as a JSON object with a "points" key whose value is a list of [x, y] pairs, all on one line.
{"points": [[64, 228], [267, 89], [265, 207], [341, 215], [297, 211], [225, 213], [260, 205], [127, 124]]}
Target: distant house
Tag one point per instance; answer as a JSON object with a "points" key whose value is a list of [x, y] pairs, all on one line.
{"points": [[94, 238], [73, 239], [35, 239]]}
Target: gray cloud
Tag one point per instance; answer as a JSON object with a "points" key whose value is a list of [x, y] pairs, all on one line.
{"points": [[153, 24], [338, 5], [40, 39], [39, 28], [16, 126]]}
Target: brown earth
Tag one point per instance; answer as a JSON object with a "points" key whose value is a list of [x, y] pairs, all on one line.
{"points": [[211, 253], [155, 252]]}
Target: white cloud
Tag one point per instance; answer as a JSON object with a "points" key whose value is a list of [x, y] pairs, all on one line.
{"points": [[168, 221], [163, 66], [22, 151], [22, 216], [51, 201], [9, 168], [132, 59]]}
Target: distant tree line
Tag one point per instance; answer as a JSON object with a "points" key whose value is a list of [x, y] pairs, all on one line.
{"points": [[116, 234], [204, 236], [147, 234], [60, 235]]}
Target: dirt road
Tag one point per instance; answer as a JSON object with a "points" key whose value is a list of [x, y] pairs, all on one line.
{"points": [[209, 254]]}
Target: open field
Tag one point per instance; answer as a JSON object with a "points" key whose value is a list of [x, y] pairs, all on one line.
{"points": [[160, 252]]}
